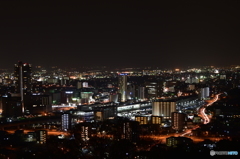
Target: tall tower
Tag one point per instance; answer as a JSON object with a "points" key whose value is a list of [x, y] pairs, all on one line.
{"points": [[22, 75], [122, 84]]}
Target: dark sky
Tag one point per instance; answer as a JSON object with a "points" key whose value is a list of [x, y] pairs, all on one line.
{"points": [[120, 33]]}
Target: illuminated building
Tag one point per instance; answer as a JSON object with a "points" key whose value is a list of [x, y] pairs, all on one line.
{"points": [[156, 120], [85, 84], [30, 137], [192, 80], [86, 97], [37, 103], [142, 119], [22, 75], [105, 112], [52, 80], [79, 85], [163, 108], [41, 136], [154, 89], [66, 121], [141, 93], [197, 119], [178, 141], [178, 120], [191, 87], [131, 91], [85, 130], [204, 93], [122, 84], [222, 77], [130, 131], [113, 97]]}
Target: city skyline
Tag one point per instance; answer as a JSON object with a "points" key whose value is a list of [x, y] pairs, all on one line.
{"points": [[118, 34]]}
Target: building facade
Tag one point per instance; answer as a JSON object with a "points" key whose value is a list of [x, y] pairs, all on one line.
{"points": [[178, 121], [163, 108], [23, 77], [122, 84]]}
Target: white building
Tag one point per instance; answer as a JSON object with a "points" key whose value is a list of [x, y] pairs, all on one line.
{"points": [[122, 84], [66, 121], [163, 108], [204, 93]]}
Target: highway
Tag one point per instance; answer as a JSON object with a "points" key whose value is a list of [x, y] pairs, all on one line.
{"points": [[202, 109], [49, 132], [202, 114]]}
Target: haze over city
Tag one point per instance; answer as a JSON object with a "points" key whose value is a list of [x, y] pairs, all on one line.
{"points": [[119, 33]]}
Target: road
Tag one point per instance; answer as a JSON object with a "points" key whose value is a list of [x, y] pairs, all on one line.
{"points": [[202, 109], [202, 114], [49, 132]]}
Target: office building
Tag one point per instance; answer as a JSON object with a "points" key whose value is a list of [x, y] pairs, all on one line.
{"points": [[122, 84], [22, 77]]}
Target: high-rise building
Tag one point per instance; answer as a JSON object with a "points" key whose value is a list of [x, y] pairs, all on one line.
{"points": [[122, 84], [204, 93], [178, 120], [131, 91], [66, 121], [141, 93], [113, 97], [22, 75], [41, 136]]}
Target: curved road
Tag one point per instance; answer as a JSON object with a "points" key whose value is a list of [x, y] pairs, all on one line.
{"points": [[202, 114], [202, 109]]}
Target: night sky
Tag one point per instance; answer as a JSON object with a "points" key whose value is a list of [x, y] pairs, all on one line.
{"points": [[120, 33]]}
